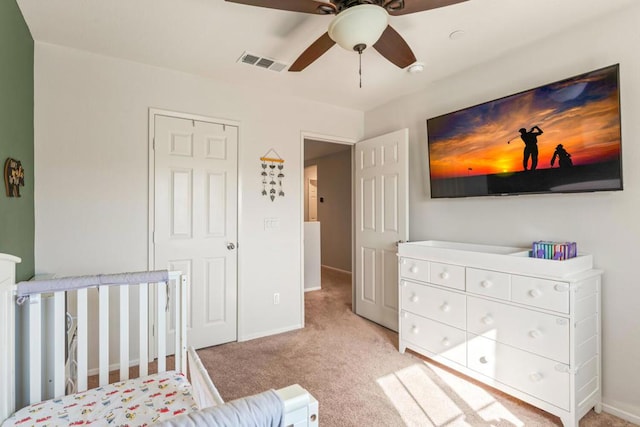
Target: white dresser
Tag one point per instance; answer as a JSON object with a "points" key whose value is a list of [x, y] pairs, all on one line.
{"points": [[529, 327]]}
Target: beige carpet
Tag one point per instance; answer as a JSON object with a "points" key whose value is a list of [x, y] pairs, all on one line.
{"points": [[353, 368]]}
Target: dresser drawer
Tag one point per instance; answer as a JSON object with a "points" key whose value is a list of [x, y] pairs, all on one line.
{"points": [[537, 376], [489, 283], [542, 293], [414, 269], [448, 275], [438, 338], [437, 304], [540, 333]]}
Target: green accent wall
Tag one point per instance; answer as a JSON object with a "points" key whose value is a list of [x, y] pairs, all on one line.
{"points": [[17, 227]]}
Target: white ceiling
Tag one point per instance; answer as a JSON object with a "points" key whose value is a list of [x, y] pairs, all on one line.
{"points": [[206, 37]]}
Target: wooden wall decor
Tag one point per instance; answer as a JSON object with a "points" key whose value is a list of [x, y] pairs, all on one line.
{"points": [[270, 175], [13, 177]]}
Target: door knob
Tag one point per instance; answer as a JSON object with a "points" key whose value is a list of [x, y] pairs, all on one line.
{"points": [[231, 246]]}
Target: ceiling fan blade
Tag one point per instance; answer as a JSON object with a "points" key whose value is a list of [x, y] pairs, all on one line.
{"points": [[320, 7], [313, 52], [392, 46], [412, 6]]}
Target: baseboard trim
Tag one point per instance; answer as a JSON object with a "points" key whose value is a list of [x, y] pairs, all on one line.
{"points": [[336, 269], [269, 333], [113, 367], [627, 416], [315, 288]]}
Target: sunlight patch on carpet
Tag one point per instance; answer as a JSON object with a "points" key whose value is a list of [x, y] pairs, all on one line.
{"points": [[425, 395], [478, 399], [413, 394]]}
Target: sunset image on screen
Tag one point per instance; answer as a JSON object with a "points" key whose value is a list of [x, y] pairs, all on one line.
{"points": [[575, 122]]}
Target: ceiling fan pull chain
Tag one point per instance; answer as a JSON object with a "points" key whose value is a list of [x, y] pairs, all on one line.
{"points": [[359, 48], [360, 67]]}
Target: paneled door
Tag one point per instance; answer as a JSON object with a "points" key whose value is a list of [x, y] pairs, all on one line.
{"points": [[381, 181], [195, 219]]}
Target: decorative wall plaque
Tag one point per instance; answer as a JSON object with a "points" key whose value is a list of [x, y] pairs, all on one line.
{"points": [[13, 177]]}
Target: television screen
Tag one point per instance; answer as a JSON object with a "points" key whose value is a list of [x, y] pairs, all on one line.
{"points": [[558, 138]]}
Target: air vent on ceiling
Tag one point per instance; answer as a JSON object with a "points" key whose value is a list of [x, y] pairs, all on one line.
{"points": [[262, 62]]}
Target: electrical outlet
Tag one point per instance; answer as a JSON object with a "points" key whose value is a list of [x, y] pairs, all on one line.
{"points": [[276, 298]]}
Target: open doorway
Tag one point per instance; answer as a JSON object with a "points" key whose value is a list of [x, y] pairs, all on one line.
{"points": [[377, 185], [328, 205]]}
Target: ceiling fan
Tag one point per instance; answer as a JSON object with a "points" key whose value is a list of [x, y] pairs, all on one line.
{"points": [[357, 25]]}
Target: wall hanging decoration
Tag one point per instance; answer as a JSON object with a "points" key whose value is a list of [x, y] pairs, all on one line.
{"points": [[13, 177], [272, 175]]}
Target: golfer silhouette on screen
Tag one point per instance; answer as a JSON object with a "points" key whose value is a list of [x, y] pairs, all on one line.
{"points": [[564, 158], [530, 146]]}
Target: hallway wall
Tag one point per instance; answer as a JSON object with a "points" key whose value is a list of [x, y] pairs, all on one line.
{"points": [[334, 212]]}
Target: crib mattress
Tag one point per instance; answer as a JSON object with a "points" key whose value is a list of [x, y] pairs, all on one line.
{"points": [[137, 402]]}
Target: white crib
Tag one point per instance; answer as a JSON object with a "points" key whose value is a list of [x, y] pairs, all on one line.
{"points": [[169, 289]]}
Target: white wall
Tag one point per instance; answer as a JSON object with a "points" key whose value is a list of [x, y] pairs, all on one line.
{"points": [[312, 271], [91, 130], [604, 224]]}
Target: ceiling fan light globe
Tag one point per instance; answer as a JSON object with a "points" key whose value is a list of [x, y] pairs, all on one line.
{"points": [[362, 24]]}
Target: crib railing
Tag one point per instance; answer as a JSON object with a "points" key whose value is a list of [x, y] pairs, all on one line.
{"points": [[170, 291], [7, 334]]}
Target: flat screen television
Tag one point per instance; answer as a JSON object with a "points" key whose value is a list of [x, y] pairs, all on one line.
{"points": [[562, 137]]}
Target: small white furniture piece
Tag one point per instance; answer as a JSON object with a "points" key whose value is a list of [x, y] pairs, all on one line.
{"points": [[529, 327], [312, 256]]}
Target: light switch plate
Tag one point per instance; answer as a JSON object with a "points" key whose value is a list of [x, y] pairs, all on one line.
{"points": [[271, 224]]}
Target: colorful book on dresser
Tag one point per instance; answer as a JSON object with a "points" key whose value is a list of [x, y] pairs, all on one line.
{"points": [[554, 250]]}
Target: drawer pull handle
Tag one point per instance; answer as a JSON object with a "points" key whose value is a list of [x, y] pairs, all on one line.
{"points": [[446, 342], [561, 287], [414, 298], [414, 329], [534, 333], [483, 360], [535, 377], [485, 284], [444, 275], [445, 307], [487, 320], [413, 269], [534, 293]]}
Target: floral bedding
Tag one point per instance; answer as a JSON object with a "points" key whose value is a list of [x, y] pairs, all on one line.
{"points": [[138, 402]]}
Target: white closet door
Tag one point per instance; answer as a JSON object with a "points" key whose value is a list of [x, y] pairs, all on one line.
{"points": [[196, 220]]}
